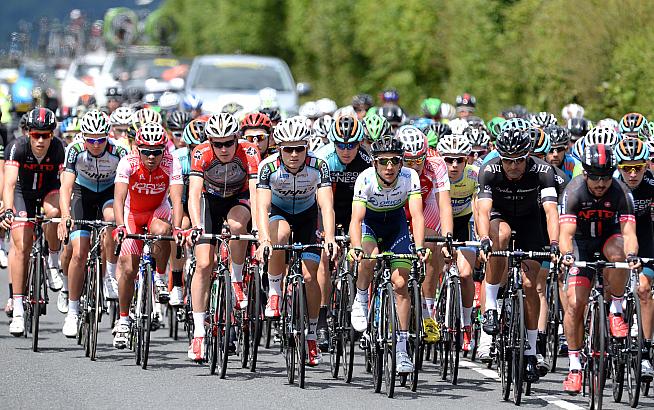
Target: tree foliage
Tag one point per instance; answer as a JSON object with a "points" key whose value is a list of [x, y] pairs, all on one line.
{"points": [[541, 53]]}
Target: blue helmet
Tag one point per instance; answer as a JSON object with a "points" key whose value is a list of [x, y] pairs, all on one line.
{"points": [[191, 102]]}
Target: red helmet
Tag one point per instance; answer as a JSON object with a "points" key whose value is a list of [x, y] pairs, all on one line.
{"points": [[151, 134], [256, 120]]}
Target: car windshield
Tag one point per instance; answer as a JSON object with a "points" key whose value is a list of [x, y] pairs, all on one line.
{"points": [[240, 76]]}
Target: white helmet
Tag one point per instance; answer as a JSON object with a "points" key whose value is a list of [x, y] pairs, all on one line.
{"points": [[347, 110], [95, 122], [572, 111], [578, 148], [326, 106], [413, 140], [121, 116], [292, 129], [169, 101], [602, 135], [146, 115], [542, 119], [322, 125], [268, 98], [608, 123], [458, 125], [448, 112], [315, 142], [221, 125], [309, 109], [453, 144], [477, 136]]}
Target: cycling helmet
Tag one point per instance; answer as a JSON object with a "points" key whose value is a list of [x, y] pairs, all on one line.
{"points": [[151, 134], [95, 122], [413, 141], [272, 113], [268, 98], [346, 128], [572, 111], [114, 93], [145, 115], [390, 95], [598, 159], [315, 143], [194, 133], [540, 141], [422, 123], [543, 119], [610, 123], [517, 111], [604, 136], [309, 109], [435, 131], [494, 126], [631, 149], [221, 125], [292, 129], [191, 102], [578, 127], [477, 136], [454, 144], [559, 136], [644, 133], [466, 101], [23, 121], [513, 143], [70, 124], [458, 125], [431, 107], [256, 120], [375, 126], [514, 124], [168, 101], [393, 114], [577, 150], [362, 100], [325, 106], [322, 125], [632, 123], [386, 144], [41, 119], [121, 116], [448, 112], [231, 108], [475, 121], [177, 120]]}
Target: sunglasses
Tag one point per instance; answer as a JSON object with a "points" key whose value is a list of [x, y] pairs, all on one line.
{"points": [[289, 149], [452, 160], [556, 150], [414, 161], [226, 144], [254, 138], [151, 152], [629, 168], [385, 161], [177, 134], [94, 141], [346, 146], [40, 135], [478, 153], [593, 177], [514, 161]]}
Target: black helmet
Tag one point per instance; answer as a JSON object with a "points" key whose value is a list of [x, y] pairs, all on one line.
{"points": [[362, 99], [23, 122], [559, 136], [517, 111], [114, 93], [41, 119], [272, 113], [598, 159], [177, 120], [385, 145], [466, 100], [513, 143], [578, 127], [393, 114]]}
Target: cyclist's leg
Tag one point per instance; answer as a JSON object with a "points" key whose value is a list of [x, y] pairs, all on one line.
{"points": [[160, 224], [359, 314], [128, 261], [465, 260], [238, 218], [176, 280], [21, 245], [51, 209], [280, 234], [615, 282], [433, 270], [500, 234]]}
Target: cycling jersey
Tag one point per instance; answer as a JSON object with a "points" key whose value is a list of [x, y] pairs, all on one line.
{"points": [[343, 178], [36, 176], [96, 174], [433, 179], [227, 179], [643, 196], [183, 155], [463, 190], [147, 189], [571, 166], [294, 193]]}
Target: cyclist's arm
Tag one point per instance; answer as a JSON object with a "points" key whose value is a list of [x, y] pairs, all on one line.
{"points": [[120, 194], [445, 209], [176, 193], [552, 215], [11, 178], [252, 187], [65, 193], [358, 213], [482, 222], [264, 199], [417, 220], [325, 200], [195, 185], [630, 238]]}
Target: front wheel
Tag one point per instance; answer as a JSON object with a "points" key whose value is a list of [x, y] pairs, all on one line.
{"points": [[635, 344], [597, 360], [146, 314], [35, 300], [390, 330]]}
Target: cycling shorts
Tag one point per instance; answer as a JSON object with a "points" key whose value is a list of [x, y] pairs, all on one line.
{"points": [[89, 205], [526, 237], [215, 209], [584, 250], [462, 228], [25, 204], [390, 234], [646, 250], [135, 223], [303, 227]]}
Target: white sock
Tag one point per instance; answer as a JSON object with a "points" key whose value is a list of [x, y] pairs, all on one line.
{"points": [[427, 307], [575, 363], [274, 285], [19, 310], [65, 287], [158, 277], [532, 336], [467, 315], [402, 337], [73, 307], [237, 272], [616, 305], [362, 296], [491, 296], [311, 334], [123, 320], [485, 340], [198, 321], [53, 259], [111, 270]]}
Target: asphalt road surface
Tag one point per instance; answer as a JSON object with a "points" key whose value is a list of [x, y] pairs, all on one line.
{"points": [[59, 375]]}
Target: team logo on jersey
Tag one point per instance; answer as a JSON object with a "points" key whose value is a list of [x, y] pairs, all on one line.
{"points": [[251, 151], [197, 155]]}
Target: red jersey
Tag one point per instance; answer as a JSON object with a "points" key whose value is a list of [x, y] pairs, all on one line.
{"points": [[147, 190], [229, 178]]}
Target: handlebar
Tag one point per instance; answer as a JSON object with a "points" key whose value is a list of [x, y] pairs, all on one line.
{"points": [[146, 237], [523, 254]]}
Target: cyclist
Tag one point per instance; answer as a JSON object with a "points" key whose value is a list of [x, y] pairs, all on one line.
{"points": [[255, 128], [361, 104], [437, 210], [120, 121], [578, 127], [374, 126], [143, 179], [431, 108], [222, 188], [193, 105], [455, 149], [632, 156], [68, 129], [542, 119], [293, 184], [390, 97], [114, 99], [31, 180], [176, 122], [87, 192], [379, 224], [572, 111], [435, 131], [393, 114], [632, 123], [479, 139], [512, 189], [320, 136], [597, 215], [558, 156], [346, 160], [465, 105]]}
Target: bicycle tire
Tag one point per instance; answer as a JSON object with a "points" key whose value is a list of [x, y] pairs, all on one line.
{"points": [[255, 315], [440, 347], [226, 317], [454, 332], [214, 332], [137, 326], [390, 326], [553, 323], [96, 311], [85, 301], [243, 336], [415, 333], [35, 299], [597, 360], [113, 313], [146, 318], [617, 370], [518, 334], [301, 321], [634, 344], [335, 329], [504, 358], [348, 334], [376, 350]]}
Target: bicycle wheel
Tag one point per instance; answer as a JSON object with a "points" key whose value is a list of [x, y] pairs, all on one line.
{"points": [[617, 365], [113, 312], [347, 333], [553, 323], [376, 349], [335, 329], [453, 334], [146, 313], [597, 360], [35, 298], [215, 330], [518, 340], [86, 301], [137, 326], [504, 354], [440, 355], [96, 308], [390, 329], [254, 315], [225, 318], [415, 333], [300, 323], [635, 349]]}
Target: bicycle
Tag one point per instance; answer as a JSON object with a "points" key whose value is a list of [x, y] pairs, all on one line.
{"points": [[554, 317], [144, 295]]}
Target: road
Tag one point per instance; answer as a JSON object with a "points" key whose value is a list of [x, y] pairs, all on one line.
{"points": [[59, 375]]}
